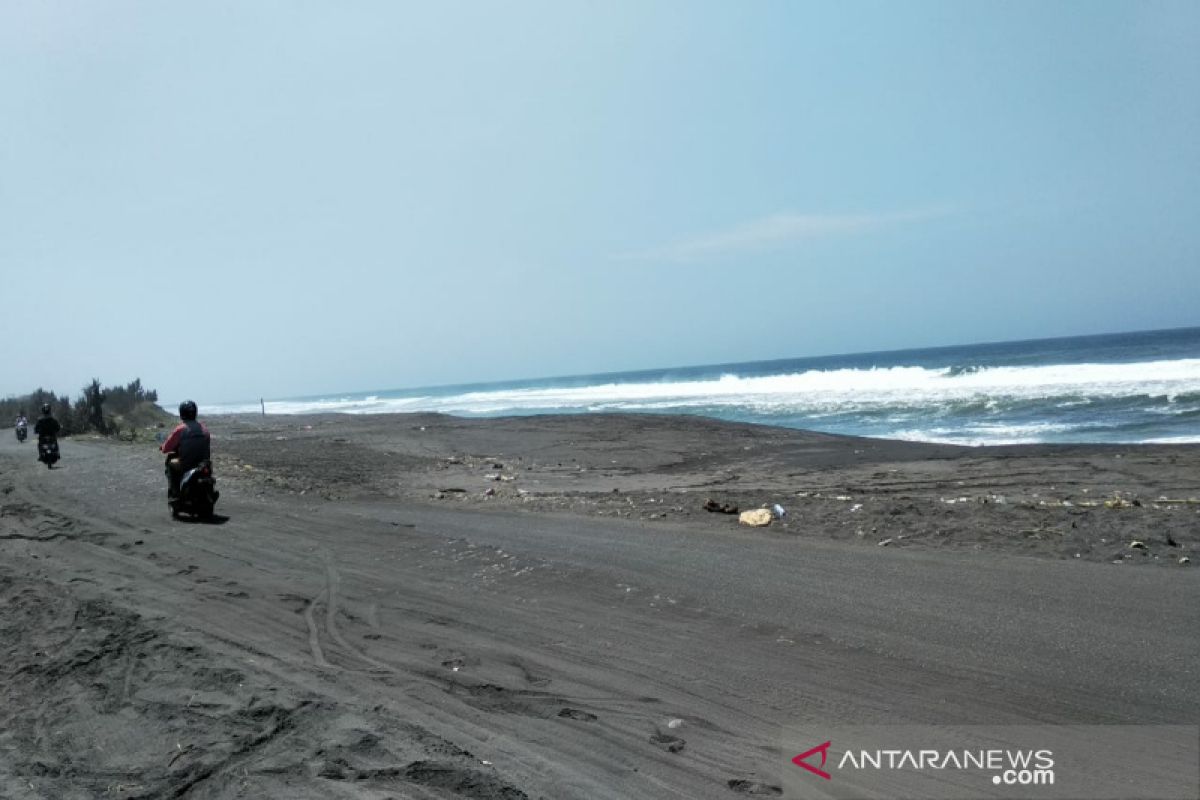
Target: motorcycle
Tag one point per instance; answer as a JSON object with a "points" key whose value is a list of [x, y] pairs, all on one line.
{"points": [[22, 432], [48, 451], [197, 492]]}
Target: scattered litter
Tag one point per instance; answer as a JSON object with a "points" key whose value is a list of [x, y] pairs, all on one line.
{"points": [[490, 492], [1119, 502], [1137, 545], [779, 511], [1184, 561], [675, 723], [718, 508], [855, 507], [885, 542], [757, 517], [672, 744], [843, 497]]}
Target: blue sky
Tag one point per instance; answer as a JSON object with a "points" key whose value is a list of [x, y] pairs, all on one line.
{"points": [[288, 198]]}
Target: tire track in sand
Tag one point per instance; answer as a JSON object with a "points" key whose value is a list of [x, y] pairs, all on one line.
{"points": [[314, 639], [332, 583], [329, 597]]}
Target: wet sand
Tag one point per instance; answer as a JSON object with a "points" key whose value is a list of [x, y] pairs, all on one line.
{"points": [[423, 606]]}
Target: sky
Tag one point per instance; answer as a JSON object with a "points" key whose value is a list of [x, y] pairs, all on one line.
{"points": [[232, 200]]}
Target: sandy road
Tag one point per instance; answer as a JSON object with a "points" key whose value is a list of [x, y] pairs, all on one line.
{"points": [[372, 648]]}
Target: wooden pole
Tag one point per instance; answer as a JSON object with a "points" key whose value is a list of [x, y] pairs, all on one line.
{"points": [[264, 405]]}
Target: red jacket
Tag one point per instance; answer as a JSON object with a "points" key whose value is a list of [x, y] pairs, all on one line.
{"points": [[172, 442]]}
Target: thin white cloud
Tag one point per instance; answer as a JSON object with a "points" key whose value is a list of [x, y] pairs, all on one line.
{"points": [[775, 231]]}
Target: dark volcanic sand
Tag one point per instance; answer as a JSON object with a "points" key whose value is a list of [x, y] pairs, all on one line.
{"points": [[370, 623]]}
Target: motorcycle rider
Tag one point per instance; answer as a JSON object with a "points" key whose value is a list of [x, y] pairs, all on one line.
{"points": [[22, 421], [47, 427], [187, 446]]}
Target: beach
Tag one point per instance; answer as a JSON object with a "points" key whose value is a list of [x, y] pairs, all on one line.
{"points": [[421, 605]]}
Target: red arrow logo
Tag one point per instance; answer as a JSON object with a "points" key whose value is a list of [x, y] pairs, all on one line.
{"points": [[800, 761]]}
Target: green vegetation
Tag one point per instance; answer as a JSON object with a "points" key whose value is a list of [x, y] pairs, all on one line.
{"points": [[111, 410]]}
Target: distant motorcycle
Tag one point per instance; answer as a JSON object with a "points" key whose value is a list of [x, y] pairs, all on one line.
{"points": [[197, 492], [48, 451], [22, 432]]}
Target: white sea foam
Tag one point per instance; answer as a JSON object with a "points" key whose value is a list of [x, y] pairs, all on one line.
{"points": [[813, 392]]}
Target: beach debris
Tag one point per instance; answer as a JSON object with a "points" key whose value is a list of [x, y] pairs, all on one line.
{"points": [[1137, 544], [778, 511], [744, 786], [575, 713], [885, 542], [491, 477], [1120, 502], [490, 492], [718, 508], [855, 507], [845, 498], [1171, 541], [672, 744], [757, 517], [1184, 561], [675, 723]]}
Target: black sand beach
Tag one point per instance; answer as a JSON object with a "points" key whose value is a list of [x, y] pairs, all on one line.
{"points": [[430, 607]]}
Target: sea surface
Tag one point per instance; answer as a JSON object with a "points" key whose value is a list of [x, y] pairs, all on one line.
{"points": [[1127, 387]]}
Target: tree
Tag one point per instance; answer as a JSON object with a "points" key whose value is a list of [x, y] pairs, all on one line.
{"points": [[93, 401]]}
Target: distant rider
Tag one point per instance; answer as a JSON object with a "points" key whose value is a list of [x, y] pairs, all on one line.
{"points": [[186, 447], [22, 421]]}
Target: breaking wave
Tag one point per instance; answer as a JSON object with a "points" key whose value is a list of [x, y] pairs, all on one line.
{"points": [[969, 404]]}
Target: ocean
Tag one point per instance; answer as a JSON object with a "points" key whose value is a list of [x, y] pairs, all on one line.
{"points": [[1126, 387]]}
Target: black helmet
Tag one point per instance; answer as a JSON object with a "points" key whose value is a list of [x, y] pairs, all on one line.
{"points": [[46, 408], [187, 410]]}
